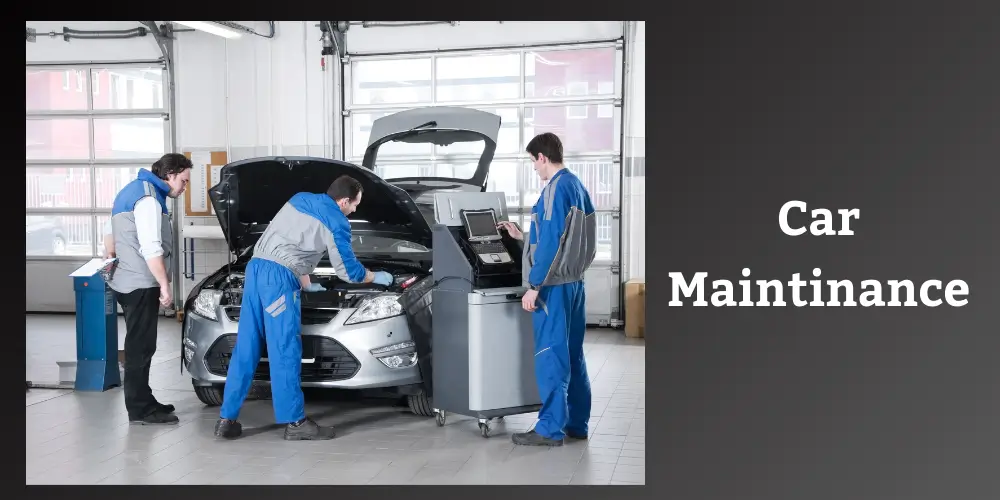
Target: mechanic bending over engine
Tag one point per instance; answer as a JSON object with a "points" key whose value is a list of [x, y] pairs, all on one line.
{"points": [[271, 311], [560, 247]]}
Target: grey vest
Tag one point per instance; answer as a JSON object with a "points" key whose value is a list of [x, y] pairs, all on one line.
{"points": [[132, 272]]}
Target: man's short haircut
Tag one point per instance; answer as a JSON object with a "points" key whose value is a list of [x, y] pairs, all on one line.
{"points": [[547, 144], [171, 163], [344, 187]]}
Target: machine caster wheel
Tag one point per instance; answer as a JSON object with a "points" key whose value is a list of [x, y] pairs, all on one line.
{"points": [[439, 417], [484, 428]]}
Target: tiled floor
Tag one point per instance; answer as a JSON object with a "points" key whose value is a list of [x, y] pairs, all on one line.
{"points": [[84, 438]]}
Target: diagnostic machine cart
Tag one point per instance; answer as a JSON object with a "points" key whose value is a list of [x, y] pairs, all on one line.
{"points": [[483, 342]]}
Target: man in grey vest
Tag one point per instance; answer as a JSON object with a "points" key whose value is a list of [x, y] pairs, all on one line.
{"points": [[143, 241]]}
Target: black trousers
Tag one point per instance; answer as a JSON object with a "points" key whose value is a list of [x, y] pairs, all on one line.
{"points": [[141, 309]]}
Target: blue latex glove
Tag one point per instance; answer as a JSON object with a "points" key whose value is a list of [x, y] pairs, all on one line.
{"points": [[382, 278], [314, 287]]}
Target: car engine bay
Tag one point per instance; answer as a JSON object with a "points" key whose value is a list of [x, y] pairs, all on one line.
{"points": [[339, 294]]}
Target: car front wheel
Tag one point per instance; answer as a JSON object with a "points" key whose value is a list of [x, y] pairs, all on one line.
{"points": [[420, 405], [210, 395]]}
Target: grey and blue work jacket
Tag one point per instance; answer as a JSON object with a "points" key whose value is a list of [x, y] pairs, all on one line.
{"points": [[303, 229], [561, 244]]}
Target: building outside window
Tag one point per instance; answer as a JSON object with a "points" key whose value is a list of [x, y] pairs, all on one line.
{"points": [[84, 142]]}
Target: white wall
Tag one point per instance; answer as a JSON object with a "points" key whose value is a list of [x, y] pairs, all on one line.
{"points": [[254, 95], [477, 34], [634, 209], [251, 96]]}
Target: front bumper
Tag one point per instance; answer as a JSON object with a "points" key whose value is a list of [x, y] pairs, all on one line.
{"points": [[336, 355]]}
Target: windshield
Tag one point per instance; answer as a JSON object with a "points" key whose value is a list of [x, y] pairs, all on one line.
{"points": [[459, 160], [453, 154]]}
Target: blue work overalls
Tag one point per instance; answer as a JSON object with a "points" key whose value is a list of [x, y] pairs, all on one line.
{"points": [[561, 246]]}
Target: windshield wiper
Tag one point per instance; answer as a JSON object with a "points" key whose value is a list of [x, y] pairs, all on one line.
{"points": [[431, 123]]}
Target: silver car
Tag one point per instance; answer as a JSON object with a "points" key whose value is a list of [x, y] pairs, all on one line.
{"points": [[354, 336]]}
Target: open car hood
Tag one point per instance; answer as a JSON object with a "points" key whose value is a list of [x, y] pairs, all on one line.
{"points": [[440, 125], [251, 192]]}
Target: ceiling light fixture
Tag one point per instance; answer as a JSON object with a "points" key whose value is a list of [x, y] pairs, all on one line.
{"points": [[213, 28]]}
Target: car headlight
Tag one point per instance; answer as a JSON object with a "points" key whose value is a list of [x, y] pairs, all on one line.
{"points": [[402, 360], [381, 306], [189, 348], [399, 360], [206, 304]]}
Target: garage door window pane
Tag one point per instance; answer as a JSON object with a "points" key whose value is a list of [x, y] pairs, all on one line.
{"points": [[111, 180], [579, 127], [55, 90], [597, 176], [473, 148], [396, 171], [560, 73], [456, 170], [478, 78], [57, 187], [361, 129], [128, 88], [102, 220], [128, 137], [58, 235], [605, 229], [391, 81], [503, 179], [531, 185], [57, 139], [599, 179]]}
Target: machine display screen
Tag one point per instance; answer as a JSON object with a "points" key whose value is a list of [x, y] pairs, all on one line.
{"points": [[481, 224]]}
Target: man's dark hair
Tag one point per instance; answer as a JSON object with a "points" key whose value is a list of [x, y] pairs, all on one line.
{"points": [[171, 163], [547, 144], [344, 187]]}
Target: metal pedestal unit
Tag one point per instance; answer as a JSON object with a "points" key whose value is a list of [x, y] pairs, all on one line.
{"points": [[482, 341], [487, 368]]}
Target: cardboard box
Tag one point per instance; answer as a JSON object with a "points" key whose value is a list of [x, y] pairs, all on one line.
{"points": [[635, 308]]}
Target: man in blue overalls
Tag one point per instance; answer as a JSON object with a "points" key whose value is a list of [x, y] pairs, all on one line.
{"points": [[560, 247], [271, 312]]}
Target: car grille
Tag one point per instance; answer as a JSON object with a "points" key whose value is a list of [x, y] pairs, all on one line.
{"points": [[332, 362], [309, 316]]}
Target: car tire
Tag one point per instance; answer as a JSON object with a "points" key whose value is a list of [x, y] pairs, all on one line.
{"points": [[420, 405], [210, 395]]}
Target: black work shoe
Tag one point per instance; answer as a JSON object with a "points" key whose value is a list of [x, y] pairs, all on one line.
{"points": [[573, 435], [165, 408], [228, 429], [156, 418], [532, 438], [307, 430]]}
